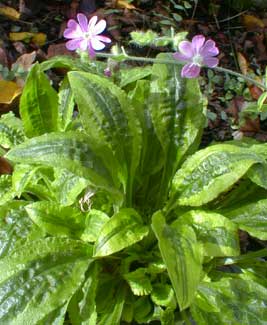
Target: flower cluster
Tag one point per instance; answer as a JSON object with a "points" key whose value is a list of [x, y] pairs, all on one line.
{"points": [[196, 54], [84, 35]]}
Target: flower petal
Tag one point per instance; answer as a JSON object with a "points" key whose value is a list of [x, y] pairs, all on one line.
{"points": [[73, 30], [74, 44], [180, 57], [91, 50], [99, 27], [186, 49], [96, 44], [209, 49], [210, 61], [197, 43], [190, 70], [91, 24], [103, 38], [83, 22]]}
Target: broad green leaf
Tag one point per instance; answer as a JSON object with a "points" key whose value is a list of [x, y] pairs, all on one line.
{"points": [[210, 172], [6, 191], [15, 227], [113, 317], [123, 229], [94, 222], [82, 307], [66, 104], [11, 130], [142, 310], [258, 175], [163, 295], [230, 301], [182, 255], [128, 76], [38, 104], [218, 234], [70, 150], [109, 119], [176, 107], [252, 218], [57, 220], [39, 277], [67, 186], [55, 317], [139, 282]]}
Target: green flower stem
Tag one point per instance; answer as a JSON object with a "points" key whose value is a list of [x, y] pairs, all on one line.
{"points": [[175, 62]]}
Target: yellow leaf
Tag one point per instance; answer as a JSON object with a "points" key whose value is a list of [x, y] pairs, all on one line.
{"points": [[243, 63], [9, 13], [20, 36], [124, 4], [9, 90], [39, 39], [252, 22]]}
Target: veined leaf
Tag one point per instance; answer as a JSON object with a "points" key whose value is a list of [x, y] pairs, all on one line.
{"points": [[38, 104], [109, 119], [39, 277], [258, 175], [139, 282], [218, 234], [230, 301], [70, 150], [6, 191], [252, 218], [209, 172], [128, 76], [182, 255], [11, 130], [15, 227], [57, 220], [94, 222], [55, 317], [176, 107], [163, 295], [123, 229], [82, 307], [66, 104]]}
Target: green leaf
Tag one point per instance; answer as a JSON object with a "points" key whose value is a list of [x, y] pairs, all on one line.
{"points": [[11, 130], [67, 186], [251, 218], [218, 234], [163, 295], [182, 255], [142, 310], [39, 277], [109, 118], [38, 104], [139, 282], [55, 317], [176, 107], [15, 227], [82, 307], [230, 301], [6, 191], [128, 76], [94, 222], [123, 229], [70, 150], [66, 104], [258, 175], [210, 172], [57, 220]]}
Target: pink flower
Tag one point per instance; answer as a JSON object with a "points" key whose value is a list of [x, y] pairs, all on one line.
{"points": [[84, 35], [197, 53]]}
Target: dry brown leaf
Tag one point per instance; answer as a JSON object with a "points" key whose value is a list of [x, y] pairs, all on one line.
{"points": [[5, 167], [9, 90], [9, 12], [252, 22], [243, 63], [26, 60]]}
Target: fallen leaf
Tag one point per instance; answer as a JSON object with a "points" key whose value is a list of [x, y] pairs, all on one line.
{"points": [[252, 22], [243, 63], [26, 60], [39, 39], [124, 4], [20, 36], [5, 167], [9, 13], [9, 90]]}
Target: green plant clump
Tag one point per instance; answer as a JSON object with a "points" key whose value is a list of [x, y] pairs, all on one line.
{"points": [[115, 216]]}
